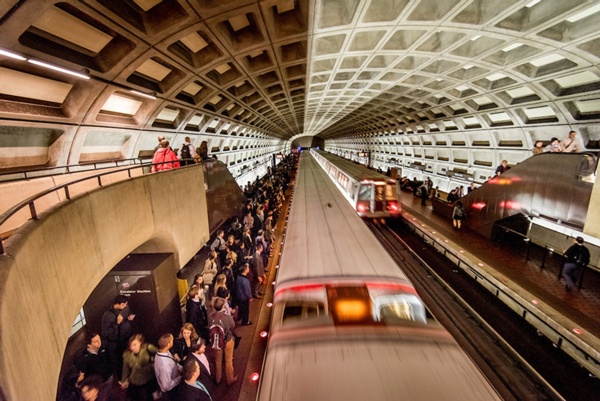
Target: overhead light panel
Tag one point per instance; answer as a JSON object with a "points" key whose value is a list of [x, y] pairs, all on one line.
{"points": [[512, 47], [584, 13], [532, 3], [12, 55], [495, 77], [59, 69]]}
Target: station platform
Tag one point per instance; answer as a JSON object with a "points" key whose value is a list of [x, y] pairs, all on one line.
{"points": [[528, 275]]}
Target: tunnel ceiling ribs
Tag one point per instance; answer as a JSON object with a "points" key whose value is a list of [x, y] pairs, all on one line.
{"points": [[332, 68]]}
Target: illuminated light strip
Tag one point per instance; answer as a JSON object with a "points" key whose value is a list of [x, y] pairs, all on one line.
{"points": [[59, 69], [584, 14], [142, 94], [12, 55]]}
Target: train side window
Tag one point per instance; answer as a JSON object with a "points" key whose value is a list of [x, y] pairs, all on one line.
{"points": [[364, 192]]}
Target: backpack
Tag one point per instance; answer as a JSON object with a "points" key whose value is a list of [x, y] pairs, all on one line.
{"points": [[185, 151], [216, 335]]}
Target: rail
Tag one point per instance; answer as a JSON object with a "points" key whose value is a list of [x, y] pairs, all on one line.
{"points": [[68, 169], [30, 202]]}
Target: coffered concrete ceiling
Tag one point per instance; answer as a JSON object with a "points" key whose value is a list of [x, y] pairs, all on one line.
{"points": [[287, 68]]}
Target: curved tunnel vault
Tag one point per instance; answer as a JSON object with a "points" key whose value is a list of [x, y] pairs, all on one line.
{"points": [[430, 86], [464, 83]]}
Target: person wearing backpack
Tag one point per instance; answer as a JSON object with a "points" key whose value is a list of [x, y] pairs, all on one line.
{"points": [[458, 215], [222, 341], [187, 152]]}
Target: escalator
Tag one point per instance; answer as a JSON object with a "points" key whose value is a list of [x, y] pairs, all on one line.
{"points": [[553, 186]]}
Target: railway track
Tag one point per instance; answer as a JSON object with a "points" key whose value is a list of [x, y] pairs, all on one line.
{"points": [[519, 363]]}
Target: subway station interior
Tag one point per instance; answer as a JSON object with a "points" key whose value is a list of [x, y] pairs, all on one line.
{"points": [[445, 89]]}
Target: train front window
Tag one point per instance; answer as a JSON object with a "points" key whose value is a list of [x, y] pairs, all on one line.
{"points": [[364, 192], [302, 310]]}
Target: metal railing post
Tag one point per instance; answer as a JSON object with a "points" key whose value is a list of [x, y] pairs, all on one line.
{"points": [[33, 211]]}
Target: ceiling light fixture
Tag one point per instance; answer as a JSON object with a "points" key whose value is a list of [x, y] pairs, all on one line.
{"points": [[532, 3], [149, 96], [512, 47], [584, 14], [12, 55], [59, 69]]}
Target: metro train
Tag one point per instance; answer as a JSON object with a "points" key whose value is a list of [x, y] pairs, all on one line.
{"points": [[370, 193], [347, 324]]}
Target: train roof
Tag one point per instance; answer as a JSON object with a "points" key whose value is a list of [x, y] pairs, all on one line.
{"points": [[353, 170], [325, 237], [407, 364]]}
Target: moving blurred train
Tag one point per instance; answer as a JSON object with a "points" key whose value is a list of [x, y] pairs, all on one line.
{"points": [[347, 324], [370, 193]]}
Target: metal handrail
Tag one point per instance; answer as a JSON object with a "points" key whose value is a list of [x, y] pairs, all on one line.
{"points": [[30, 202], [70, 168]]}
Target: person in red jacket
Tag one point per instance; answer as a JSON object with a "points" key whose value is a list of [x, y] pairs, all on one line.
{"points": [[164, 154]]}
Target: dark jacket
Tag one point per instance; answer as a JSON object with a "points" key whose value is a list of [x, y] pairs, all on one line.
{"points": [[94, 364], [258, 267], [180, 348], [111, 331], [578, 254], [242, 288], [195, 314], [186, 392]]}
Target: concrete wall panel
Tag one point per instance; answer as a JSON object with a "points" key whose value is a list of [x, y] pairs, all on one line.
{"points": [[83, 239]]}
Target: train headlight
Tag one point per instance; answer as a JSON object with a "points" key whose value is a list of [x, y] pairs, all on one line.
{"points": [[351, 310], [361, 208]]}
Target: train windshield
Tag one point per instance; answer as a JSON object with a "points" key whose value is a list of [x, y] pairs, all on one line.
{"points": [[352, 304]]}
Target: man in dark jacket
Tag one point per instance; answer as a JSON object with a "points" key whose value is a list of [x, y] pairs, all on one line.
{"points": [[577, 256], [244, 294], [94, 359], [190, 388], [258, 271], [116, 330]]}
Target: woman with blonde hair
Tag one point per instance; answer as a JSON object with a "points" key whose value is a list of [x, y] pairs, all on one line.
{"points": [[183, 344], [220, 282]]}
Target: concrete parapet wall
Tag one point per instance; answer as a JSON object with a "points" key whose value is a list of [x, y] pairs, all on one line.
{"points": [[14, 192], [52, 264]]}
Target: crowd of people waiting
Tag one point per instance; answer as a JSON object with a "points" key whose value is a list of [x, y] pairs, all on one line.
{"points": [[218, 300]]}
